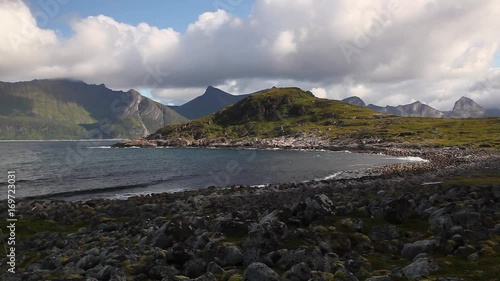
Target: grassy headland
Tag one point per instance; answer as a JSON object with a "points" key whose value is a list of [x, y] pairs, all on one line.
{"points": [[288, 112]]}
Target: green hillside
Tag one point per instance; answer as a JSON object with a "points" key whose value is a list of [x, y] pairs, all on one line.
{"points": [[288, 111], [64, 109]]}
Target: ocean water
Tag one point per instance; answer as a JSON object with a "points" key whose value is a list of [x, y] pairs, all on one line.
{"points": [[82, 170]]}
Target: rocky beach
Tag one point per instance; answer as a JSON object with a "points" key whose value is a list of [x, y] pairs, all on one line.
{"points": [[435, 220]]}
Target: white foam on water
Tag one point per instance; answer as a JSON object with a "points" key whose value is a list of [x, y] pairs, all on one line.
{"points": [[99, 147], [329, 177], [413, 159]]}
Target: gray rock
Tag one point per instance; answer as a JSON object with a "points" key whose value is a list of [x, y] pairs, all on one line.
{"points": [[384, 232], [299, 272], [204, 277], [320, 202], [194, 268], [411, 250], [419, 268], [87, 262], [93, 251], [160, 272], [214, 268], [420, 256], [260, 272], [440, 222], [271, 223], [345, 275], [111, 273], [467, 219], [496, 229], [51, 263], [225, 255], [232, 256], [380, 278]]}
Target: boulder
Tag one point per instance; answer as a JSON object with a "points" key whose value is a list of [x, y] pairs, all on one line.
{"points": [[420, 268], [411, 250], [467, 219], [299, 272], [440, 222], [87, 262], [260, 272], [194, 268]]}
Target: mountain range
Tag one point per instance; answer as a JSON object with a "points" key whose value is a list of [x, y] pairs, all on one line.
{"points": [[66, 109], [464, 108], [211, 101]]}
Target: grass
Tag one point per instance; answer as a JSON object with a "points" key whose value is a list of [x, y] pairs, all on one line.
{"points": [[486, 268], [287, 111], [26, 228], [475, 179]]}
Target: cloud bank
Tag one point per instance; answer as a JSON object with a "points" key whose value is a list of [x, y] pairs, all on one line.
{"points": [[386, 52]]}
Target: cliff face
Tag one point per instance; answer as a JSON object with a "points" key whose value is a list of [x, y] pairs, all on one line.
{"points": [[467, 108], [64, 109]]}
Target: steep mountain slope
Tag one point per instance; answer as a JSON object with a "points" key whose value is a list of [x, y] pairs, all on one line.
{"points": [[211, 101], [354, 101], [65, 109], [292, 113], [467, 108]]}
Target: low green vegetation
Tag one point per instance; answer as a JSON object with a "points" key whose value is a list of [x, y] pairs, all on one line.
{"points": [[476, 179], [64, 109], [288, 111]]}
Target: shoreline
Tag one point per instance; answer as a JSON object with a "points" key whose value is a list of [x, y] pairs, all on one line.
{"points": [[401, 222], [347, 173]]}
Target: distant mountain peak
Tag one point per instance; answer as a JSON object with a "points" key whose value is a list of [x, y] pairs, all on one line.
{"points": [[467, 108], [355, 100], [212, 100]]}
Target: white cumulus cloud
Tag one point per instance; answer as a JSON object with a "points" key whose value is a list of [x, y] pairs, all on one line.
{"points": [[385, 51]]}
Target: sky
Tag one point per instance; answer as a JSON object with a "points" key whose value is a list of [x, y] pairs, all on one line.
{"points": [[384, 51]]}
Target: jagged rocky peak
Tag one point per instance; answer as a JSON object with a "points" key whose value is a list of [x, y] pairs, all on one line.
{"points": [[467, 108], [418, 109], [355, 101]]}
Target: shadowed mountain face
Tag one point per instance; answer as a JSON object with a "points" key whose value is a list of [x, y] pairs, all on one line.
{"points": [[210, 102], [464, 108], [64, 109]]}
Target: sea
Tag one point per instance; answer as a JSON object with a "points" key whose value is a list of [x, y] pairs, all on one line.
{"points": [[91, 169]]}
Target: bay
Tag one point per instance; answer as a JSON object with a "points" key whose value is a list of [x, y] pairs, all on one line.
{"points": [[82, 170]]}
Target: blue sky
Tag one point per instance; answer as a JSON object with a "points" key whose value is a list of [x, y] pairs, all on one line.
{"points": [[177, 14]]}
